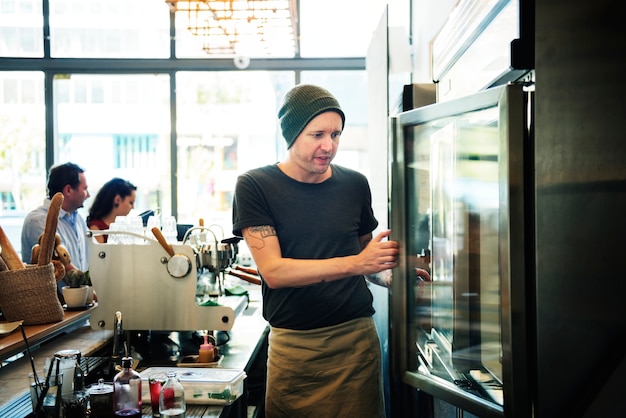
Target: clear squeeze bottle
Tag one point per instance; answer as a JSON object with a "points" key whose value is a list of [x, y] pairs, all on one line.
{"points": [[172, 398], [127, 391]]}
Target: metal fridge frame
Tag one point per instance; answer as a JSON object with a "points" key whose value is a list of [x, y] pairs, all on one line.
{"points": [[516, 224]]}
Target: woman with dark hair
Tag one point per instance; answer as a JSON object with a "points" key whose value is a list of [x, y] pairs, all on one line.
{"points": [[115, 198]]}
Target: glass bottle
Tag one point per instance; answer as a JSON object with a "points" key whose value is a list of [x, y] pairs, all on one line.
{"points": [[127, 391], [172, 398], [68, 361], [79, 376]]}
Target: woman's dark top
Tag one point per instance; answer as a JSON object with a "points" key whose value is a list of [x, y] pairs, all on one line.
{"points": [[101, 225]]}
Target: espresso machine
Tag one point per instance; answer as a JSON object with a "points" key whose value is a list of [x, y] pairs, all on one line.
{"points": [[155, 283]]}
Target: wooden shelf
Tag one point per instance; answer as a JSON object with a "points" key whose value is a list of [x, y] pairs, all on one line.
{"points": [[13, 343], [73, 332]]}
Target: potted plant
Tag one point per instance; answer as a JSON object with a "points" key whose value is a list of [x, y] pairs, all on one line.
{"points": [[90, 297], [75, 293]]}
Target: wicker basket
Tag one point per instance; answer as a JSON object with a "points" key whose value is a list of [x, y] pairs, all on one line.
{"points": [[30, 295]]}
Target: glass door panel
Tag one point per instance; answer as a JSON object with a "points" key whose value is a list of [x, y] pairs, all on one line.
{"points": [[458, 175]]}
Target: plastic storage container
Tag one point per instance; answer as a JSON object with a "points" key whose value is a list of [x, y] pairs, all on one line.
{"points": [[210, 386]]}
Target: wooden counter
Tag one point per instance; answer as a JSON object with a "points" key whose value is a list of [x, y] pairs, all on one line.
{"points": [[44, 340], [247, 339], [13, 343]]}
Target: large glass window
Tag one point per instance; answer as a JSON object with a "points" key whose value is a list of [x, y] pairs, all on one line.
{"points": [[330, 28], [109, 29], [327, 29], [22, 148], [226, 124], [117, 123], [21, 28], [201, 32], [117, 126], [140, 28]]}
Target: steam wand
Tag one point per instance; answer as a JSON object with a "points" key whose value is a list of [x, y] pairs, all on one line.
{"points": [[118, 334]]}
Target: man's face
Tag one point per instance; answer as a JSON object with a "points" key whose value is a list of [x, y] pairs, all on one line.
{"points": [[316, 147], [76, 197]]}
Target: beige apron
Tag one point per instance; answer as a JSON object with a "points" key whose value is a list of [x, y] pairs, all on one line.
{"points": [[325, 372]]}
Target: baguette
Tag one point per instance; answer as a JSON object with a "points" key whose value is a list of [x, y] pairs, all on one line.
{"points": [[49, 234], [3, 265], [34, 254], [10, 257], [63, 254], [59, 270]]}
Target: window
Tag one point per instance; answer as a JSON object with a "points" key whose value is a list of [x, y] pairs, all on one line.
{"points": [[226, 125], [116, 120], [330, 28], [22, 139], [21, 28], [109, 29], [117, 135]]}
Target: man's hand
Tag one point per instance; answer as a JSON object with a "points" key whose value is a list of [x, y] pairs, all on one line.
{"points": [[379, 255]]}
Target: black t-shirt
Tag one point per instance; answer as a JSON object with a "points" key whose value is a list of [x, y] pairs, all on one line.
{"points": [[312, 221]]}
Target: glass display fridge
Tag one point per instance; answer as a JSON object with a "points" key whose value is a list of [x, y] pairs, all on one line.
{"points": [[461, 209]]}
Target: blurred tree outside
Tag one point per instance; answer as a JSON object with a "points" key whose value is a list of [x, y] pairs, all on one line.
{"points": [[22, 157]]}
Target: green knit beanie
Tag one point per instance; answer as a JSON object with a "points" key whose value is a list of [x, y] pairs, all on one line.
{"points": [[301, 104]]}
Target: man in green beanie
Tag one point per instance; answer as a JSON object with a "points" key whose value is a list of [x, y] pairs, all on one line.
{"points": [[308, 224]]}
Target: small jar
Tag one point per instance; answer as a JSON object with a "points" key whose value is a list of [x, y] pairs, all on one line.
{"points": [[101, 400]]}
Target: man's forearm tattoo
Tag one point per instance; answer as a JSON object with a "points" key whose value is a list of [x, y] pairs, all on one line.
{"points": [[263, 231], [259, 233]]}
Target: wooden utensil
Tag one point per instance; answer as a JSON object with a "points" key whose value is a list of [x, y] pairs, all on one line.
{"points": [[250, 278], [248, 270]]}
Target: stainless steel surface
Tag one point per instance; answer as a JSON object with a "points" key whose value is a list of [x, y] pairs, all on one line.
{"points": [[465, 23], [179, 266], [131, 278], [213, 257], [440, 388], [474, 49]]}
